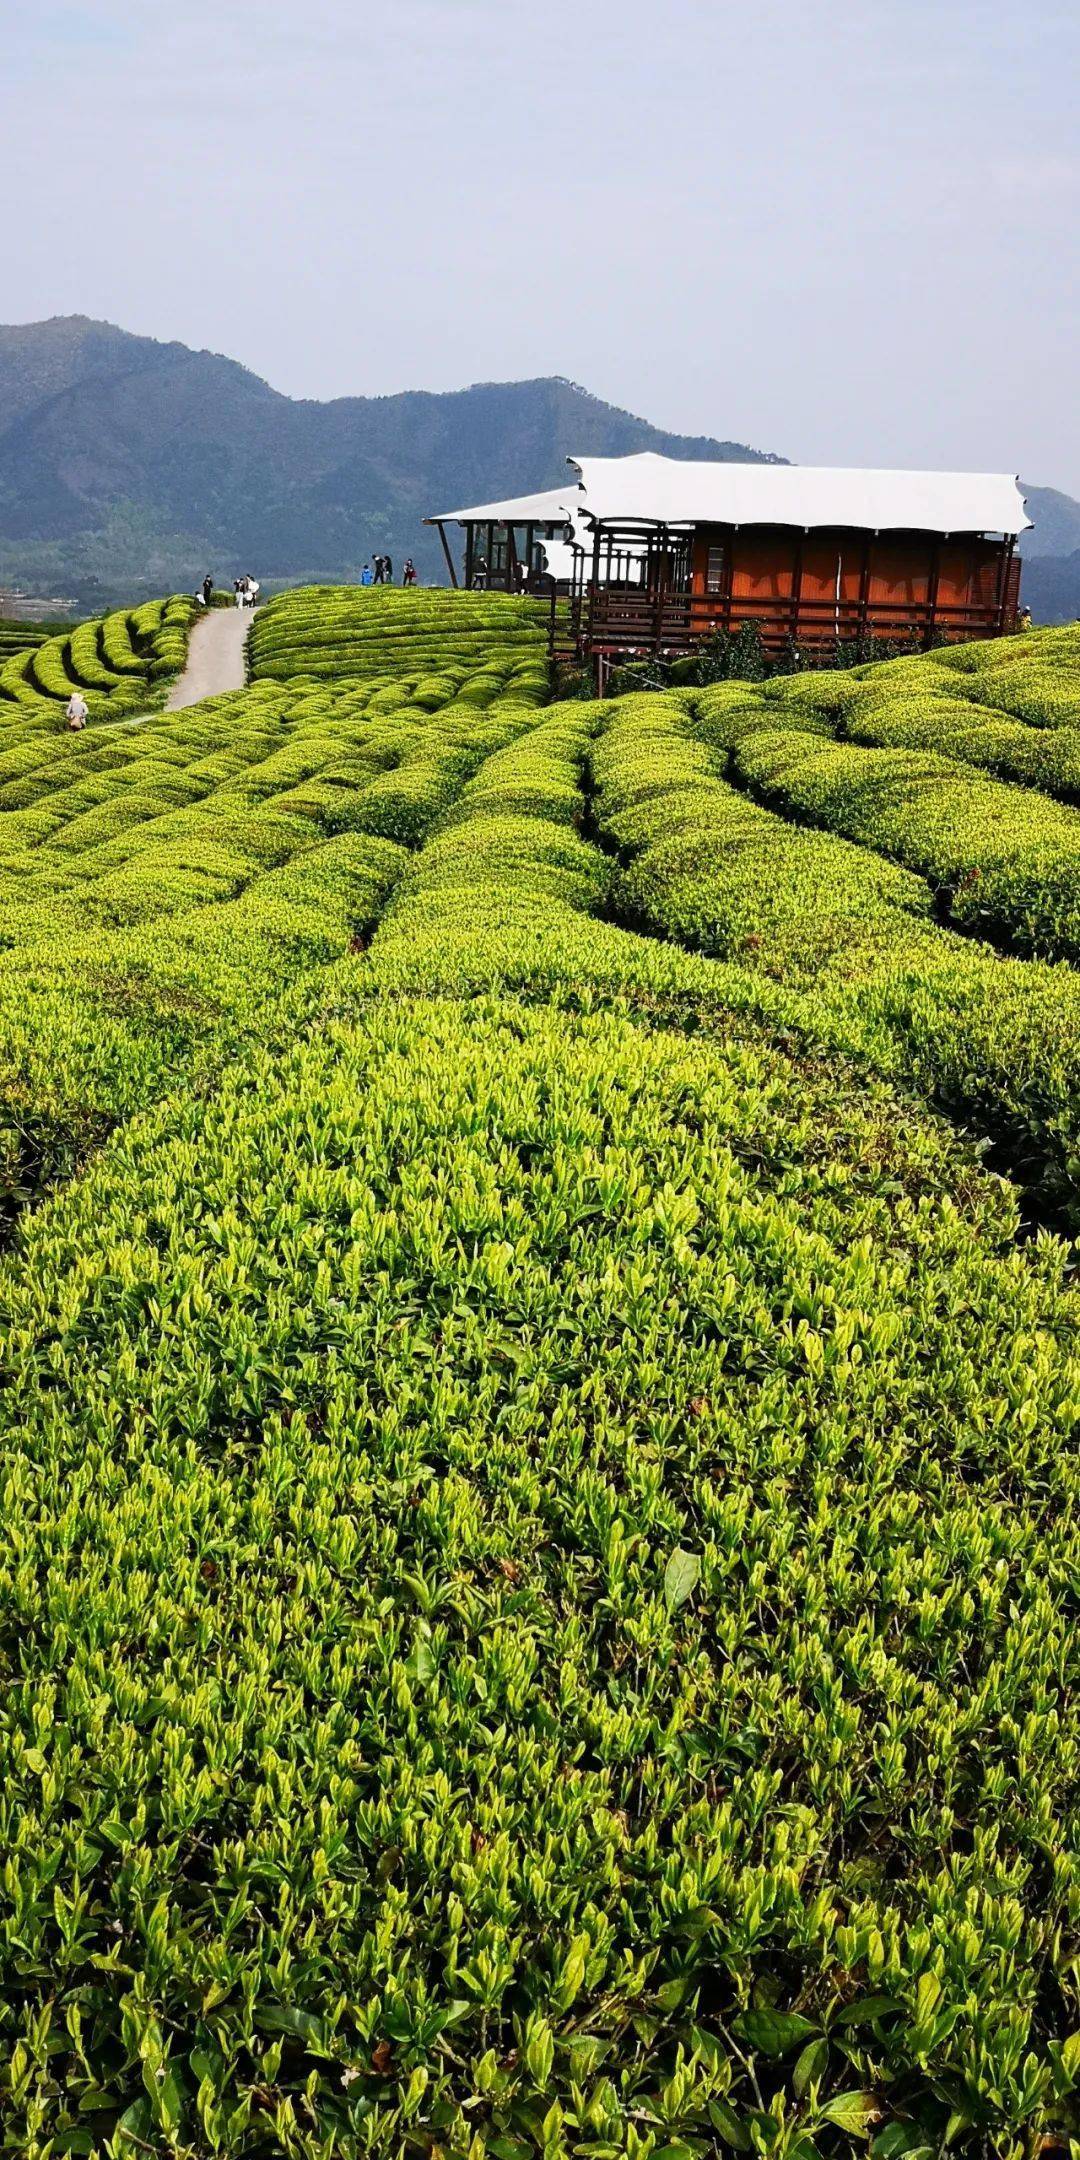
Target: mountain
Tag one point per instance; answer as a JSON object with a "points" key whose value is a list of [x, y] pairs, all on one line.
{"points": [[1056, 520], [1051, 587], [1050, 581], [127, 465]]}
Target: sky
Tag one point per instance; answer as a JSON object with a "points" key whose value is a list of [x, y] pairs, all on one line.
{"points": [[843, 232]]}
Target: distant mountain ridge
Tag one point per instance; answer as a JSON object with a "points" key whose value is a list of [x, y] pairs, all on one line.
{"points": [[130, 466], [142, 464]]}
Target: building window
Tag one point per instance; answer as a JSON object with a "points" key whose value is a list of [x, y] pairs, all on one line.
{"points": [[714, 571]]}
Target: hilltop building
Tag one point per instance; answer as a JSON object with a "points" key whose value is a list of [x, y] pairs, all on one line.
{"points": [[654, 552]]}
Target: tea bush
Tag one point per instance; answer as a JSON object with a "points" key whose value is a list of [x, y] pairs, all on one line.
{"points": [[328, 632], [537, 1607], [853, 935], [1010, 859], [122, 662], [1010, 706]]}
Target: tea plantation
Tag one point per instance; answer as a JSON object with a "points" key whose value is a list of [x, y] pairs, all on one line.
{"points": [[540, 1384], [122, 664]]}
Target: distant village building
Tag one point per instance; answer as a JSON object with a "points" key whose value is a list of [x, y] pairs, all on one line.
{"points": [[654, 552]]}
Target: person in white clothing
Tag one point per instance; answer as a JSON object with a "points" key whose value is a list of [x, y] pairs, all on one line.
{"points": [[78, 711], [252, 589], [240, 589]]}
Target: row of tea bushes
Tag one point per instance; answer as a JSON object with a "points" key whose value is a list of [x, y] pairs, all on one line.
{"points": [[95, 1024], [1010, 706], [134, 863], [1045, 758], [122, 662], [995, 1040], [541, 1566], [482, 646], [1007, 858], [17, 635]]}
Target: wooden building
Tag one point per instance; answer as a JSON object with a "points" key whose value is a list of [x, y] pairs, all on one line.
{"points": [[808, 554]]}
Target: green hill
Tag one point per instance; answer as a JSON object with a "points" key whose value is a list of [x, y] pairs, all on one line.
{"points": [[128, 465]]}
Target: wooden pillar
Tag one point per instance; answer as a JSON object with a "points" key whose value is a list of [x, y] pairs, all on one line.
{"points": [[864, 587], [470, 556], [589, 612], [935, 584], [728, 574], [1003, 581], [446, 552], [796, 590]]}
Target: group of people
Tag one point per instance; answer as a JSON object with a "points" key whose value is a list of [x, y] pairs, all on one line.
{"points": [[245, 590], [380, 571], [480, 576]]}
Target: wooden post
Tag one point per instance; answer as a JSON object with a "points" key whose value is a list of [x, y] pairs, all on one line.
{"points": [[593, 582], [1003, 581], [864, 587], [449, 557], [796, 590], [661, 569], [470, 555], [935, 584]]}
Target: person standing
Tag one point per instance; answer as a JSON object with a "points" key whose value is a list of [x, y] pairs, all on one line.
{"points": [[1024, 619], [238, 588], [207, 589], [78, 711], [387, 570], [480, 574], [408, 575]]}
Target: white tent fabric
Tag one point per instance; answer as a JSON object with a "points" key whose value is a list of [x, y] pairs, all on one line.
{"points": [[674, 491], [555, 506], [558, 559], [559, 556]]}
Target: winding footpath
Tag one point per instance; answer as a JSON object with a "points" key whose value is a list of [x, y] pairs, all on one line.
{"points": [[215, 660]]}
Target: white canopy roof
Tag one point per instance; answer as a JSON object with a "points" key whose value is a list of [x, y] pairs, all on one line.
{"points": [[674, 491], [548, 508]]}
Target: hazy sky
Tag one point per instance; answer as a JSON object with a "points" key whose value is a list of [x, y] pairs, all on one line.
{"points": [[844, 232]]}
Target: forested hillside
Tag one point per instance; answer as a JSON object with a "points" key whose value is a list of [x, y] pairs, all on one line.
{"points": [[138, 464]]}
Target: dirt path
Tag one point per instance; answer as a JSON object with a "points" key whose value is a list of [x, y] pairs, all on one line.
{"points": [[215, 660]]}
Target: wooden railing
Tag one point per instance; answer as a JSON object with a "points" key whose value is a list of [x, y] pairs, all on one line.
{"points": [[632, 621]]}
